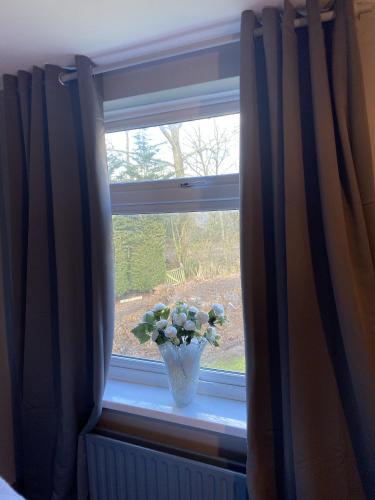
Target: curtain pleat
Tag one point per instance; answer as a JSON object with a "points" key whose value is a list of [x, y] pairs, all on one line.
{"points": [[7, 462], [101, 269], [40, 408], [260, 436], [60, 325], [306, 251]]}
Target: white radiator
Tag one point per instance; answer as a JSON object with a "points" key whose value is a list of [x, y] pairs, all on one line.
{"points": [[122, 471]]}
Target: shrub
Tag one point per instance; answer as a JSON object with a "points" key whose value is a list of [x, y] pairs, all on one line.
{"points": [[139, 245]]}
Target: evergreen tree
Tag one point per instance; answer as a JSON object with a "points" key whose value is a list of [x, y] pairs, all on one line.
{"points": [[139, 241], [139, 244], [143, 162], [116, 161]]}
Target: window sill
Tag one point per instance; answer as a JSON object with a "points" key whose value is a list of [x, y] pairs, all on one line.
{"points": [[214, 414]]}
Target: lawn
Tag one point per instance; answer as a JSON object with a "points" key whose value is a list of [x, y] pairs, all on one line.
{"points": [[234, 364]]}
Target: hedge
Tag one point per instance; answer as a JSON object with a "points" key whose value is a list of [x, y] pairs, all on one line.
{"points": [[139, 245]]}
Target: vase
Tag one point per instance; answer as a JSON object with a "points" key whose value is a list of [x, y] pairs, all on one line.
{"points": [[183, 364]]}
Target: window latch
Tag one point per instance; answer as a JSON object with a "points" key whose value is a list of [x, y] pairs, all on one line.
{"points": [[191, 184], [185, 185]]}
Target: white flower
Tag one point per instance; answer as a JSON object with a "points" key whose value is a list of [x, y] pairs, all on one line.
{"points": [[179, 319], [193, 310], [211, 333], [159, 307], [171, 332], [189, 325], [155, 335], [161, 324], [218, 309], [202, 317], [149, 317]]}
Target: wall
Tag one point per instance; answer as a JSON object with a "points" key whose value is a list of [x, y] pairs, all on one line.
{"points": [[366, 37]]}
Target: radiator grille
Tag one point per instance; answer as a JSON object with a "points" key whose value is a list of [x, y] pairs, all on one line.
{"points": [[122, 471]]}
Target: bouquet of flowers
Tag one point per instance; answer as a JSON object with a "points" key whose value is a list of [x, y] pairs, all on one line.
{"points": [[181, 325]]}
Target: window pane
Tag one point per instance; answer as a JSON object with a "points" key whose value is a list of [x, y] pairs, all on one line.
{"points": [[192, 257], [196, 148]]}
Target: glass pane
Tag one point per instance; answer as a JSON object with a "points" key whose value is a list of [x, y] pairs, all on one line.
{"points": [[193, 257], [196, 148]]}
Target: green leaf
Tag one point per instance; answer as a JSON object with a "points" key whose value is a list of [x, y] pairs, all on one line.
{"points": [[161, 340], [165, 313], [140, 332], [221, 320], [211, 317], [150, 327], [148, 318], [191, 315], [180, 330], [141, 327]]}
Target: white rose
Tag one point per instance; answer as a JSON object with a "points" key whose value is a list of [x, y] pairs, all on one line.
{"points": [[171, 332], [211, 333], [159, 307], [193, 310], [155, 335], [218, 309], [161, 324], [202, 317], [149, 317], [189, 325], [179, 319]]}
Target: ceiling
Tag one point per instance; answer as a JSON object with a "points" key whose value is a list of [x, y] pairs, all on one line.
{"points": [[36, 32]]}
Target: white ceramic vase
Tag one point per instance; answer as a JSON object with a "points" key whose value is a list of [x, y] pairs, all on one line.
{"points": [[183, 365]]}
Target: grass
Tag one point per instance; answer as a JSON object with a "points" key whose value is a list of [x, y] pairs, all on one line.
{"points": [[234, 364]]}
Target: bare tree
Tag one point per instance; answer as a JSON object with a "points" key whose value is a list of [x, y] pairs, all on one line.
{"points": [[179, 229], [172, 134], [199, 149], [207, 151]]}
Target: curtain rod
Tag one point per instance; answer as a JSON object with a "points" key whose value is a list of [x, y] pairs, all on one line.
{"points": [[106, 68]]}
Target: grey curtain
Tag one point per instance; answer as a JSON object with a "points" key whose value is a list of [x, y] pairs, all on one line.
{"points": [[6, 424], [56, 269], [308, 248]]}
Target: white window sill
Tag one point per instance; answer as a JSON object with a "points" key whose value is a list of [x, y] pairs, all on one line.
{"points": [[207, 412]]}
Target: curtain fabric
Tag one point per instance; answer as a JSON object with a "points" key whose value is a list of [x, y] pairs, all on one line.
{"points": [[55, 222], [6, 424], [308, 249]]}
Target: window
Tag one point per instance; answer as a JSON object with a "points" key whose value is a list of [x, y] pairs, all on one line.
{"points": [[196, 148], [175, 200]]}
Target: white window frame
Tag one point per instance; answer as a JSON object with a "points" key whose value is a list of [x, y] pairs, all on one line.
{"points": [[215, 383], [190, 194]]}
